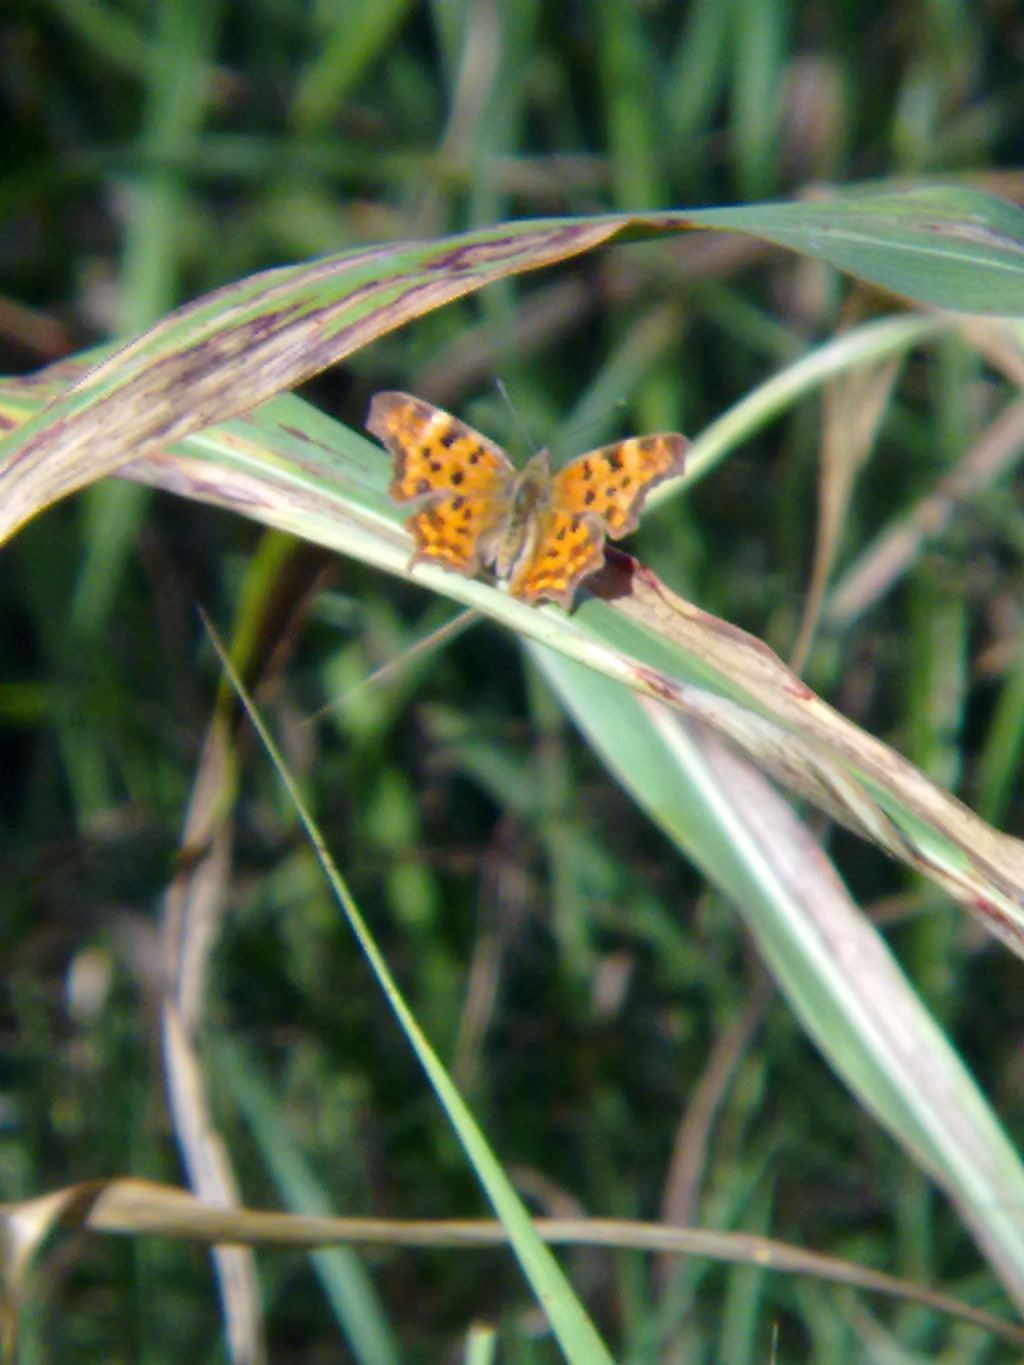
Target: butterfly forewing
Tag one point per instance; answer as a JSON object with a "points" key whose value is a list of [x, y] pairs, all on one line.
{"points": [[435, 452], [613, 482], [461, 478]]}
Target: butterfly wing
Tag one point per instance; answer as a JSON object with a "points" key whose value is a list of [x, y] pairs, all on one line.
{"points": [[567, 548], [612, 483], [599, 493], [460, 478]]}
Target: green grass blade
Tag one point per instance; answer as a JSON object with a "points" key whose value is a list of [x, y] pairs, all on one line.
{"points": [[569, 1321], [833, 966], [345, 1281], [944, 246]]}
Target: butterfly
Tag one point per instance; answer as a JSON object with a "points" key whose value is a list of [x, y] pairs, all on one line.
{"points": [[541, 532]]}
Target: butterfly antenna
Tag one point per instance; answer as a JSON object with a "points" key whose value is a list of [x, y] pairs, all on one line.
{"points": [[517, 417], [591, 421]]}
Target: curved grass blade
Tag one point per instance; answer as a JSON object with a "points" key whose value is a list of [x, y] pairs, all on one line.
{"points": [[831, 962], [234, 348], [126, 1206]]}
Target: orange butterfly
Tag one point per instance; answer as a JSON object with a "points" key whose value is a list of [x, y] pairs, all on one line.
{"points": [[541, 532]]}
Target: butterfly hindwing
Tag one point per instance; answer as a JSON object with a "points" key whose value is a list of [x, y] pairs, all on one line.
{"points": [[449, 530], [567, 548]]}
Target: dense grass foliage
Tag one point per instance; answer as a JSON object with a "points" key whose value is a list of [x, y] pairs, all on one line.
{"points": [[598, 1002]]}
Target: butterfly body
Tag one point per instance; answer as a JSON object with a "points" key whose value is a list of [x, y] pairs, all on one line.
{"points": [[542, 533], [527, 500]]}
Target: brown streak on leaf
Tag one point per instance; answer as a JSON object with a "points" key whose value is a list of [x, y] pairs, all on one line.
{"points": [[219, 362], [557, 242]]}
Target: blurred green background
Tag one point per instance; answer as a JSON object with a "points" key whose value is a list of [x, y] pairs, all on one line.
{"points": [[597, 1003]]}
